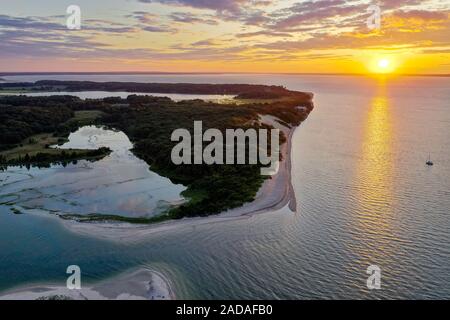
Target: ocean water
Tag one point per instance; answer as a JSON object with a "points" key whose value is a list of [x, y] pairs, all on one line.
{"points": [[365, 197]]}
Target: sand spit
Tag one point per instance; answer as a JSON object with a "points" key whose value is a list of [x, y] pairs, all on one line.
{"points": [[142, 284]]}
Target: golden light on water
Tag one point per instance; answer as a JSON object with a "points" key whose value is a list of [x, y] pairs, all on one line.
{"points": [[373, 175], [375, 170]]}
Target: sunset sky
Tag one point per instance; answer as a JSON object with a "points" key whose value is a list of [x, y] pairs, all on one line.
{"points": [[323, 36]]}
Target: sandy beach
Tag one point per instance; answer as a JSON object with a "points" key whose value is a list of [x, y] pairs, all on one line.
{"points": [[275, 193], [141, 284]]}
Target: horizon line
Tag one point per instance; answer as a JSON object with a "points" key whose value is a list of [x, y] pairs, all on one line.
{"points": [[12, 73]]}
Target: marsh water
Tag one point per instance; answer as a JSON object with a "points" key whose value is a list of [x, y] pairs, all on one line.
{"points": [[123, 95], [119, 184], [365, 197]]}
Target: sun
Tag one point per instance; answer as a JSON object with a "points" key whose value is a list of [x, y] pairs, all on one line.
{"points": [[382, 65]]}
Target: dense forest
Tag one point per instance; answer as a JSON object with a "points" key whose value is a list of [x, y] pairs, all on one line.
{"points": [[149, 122], [22, 117]]}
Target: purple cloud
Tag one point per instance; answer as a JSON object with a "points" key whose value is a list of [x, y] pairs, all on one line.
{"points": [[184, 17], [218, 5]]}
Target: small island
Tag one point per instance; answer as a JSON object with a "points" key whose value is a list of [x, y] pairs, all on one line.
{"points": [[32, 126]]}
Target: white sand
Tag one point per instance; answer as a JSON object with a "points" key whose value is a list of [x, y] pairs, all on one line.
{"points": [[274, 194], [142, 284]]}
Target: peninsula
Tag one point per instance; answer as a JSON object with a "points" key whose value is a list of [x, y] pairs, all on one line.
{"points": [[31, 126]]}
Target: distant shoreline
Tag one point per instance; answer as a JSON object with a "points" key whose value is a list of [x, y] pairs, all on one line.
{"points": [[3, 74]]}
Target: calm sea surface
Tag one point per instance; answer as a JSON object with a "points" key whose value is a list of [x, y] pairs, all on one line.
{"points": [[365, 197]]}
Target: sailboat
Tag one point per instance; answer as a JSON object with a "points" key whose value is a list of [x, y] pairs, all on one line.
{"points": [[429, 162]]}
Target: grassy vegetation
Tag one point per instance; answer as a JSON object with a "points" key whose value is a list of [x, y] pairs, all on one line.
{"points": [[115, 218], [41, 143], [33, 145], [66, 156], [85, 117], [21, 90], [15, 90]]}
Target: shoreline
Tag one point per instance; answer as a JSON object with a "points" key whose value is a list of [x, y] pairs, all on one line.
{"points": [[137, 284], [274, 194]]}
